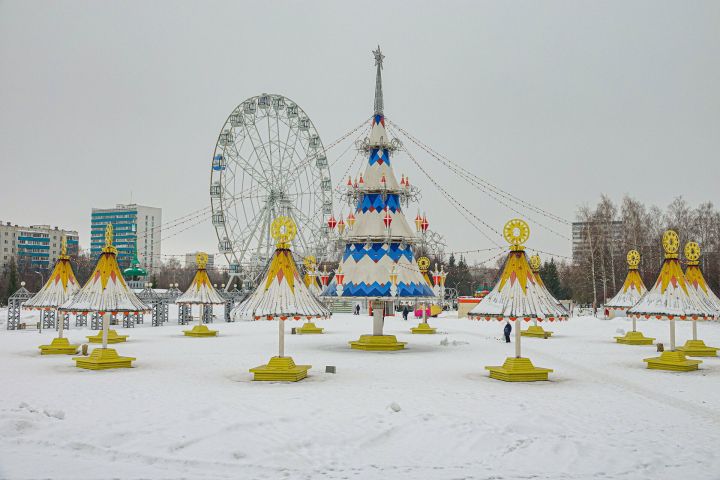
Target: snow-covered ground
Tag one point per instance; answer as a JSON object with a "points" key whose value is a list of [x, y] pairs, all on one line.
{"points": [[189, 409]]}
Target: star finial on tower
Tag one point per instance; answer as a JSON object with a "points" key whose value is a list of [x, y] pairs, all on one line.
{"points": [[378, 57]]}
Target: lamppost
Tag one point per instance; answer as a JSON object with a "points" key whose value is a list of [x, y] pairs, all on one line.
{"points": [[42, 279]]}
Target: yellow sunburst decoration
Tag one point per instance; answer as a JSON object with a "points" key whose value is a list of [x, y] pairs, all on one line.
{"points": [[283, 230], [633, 259], [535, 263], [671, 243], [201, 259], [516, 233], [692, 253], [423, 263], [310, 262]]}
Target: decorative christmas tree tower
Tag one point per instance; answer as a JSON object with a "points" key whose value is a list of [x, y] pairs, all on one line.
{"points": [[671, 298], [517, 296], [60, 287], [632, 291], [281, 295], [696, 281], [200, 292], [378, 263], [107, 294]]}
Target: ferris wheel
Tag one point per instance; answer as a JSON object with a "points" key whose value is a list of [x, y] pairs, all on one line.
{"points": [[268, 161]]}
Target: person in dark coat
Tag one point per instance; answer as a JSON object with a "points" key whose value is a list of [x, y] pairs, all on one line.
{"points": [[357, 309], [506, 331], [405, 312]]}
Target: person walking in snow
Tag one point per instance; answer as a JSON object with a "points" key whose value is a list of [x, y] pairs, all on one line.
{"points": [[357, 309], [506, 331], [405, 312]]}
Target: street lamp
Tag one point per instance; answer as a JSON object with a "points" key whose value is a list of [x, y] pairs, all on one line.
{"points": [[42, 279]]}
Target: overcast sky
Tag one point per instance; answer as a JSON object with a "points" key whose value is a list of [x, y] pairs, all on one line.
{"points": [[556, 102]]}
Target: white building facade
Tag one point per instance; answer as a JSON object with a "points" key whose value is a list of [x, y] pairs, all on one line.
{"points": [[36, 246]]}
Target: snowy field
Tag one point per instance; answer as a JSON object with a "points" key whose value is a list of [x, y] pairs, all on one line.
{"points": [[189, 409]]}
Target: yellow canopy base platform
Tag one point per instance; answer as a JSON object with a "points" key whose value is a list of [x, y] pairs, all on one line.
{"points": [[634, 338], [518, 370], [673, 361], [308, 328], [113, 337], [377, 343], [58, 346], [280, 369], [103, 359], [536, 331], [697, 348], [200, 331], [424, 328]]}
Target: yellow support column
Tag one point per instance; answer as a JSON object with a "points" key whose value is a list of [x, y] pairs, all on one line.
{"points": [[518, 369]]}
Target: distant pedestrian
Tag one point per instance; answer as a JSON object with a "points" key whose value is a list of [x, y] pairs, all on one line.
{"points": [[405, 312], [357, 309], [506, 332]]}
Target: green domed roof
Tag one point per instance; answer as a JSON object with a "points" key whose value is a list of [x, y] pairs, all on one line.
{"points": [[135, 269]]}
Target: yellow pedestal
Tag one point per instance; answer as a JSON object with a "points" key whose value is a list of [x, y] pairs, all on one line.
{"points": [[280, 369], [423, 328], [673, 361], [113, 337], [377, 343], [309, 328], [58, 346], [634, 338], [535, 331], [103, 359], [518, 370], [200, 331], [697, 348]]}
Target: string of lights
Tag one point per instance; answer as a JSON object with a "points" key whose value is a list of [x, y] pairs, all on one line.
{"points": [[475, 180]]}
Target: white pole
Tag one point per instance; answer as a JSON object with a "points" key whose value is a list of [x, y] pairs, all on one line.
{"points": [[202, 313], [672, 335], [634, 320], [281, 338], [61, 325], [106, 326], [694, 322], [377, 318], [517, 339], [424, 312]]}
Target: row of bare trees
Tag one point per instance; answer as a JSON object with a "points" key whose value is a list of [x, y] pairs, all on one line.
{"points": [[608, 231]]}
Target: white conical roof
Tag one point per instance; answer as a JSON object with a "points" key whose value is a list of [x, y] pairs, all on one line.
{"points": [[633, 288], [696, 279], [201, 290], [518, 294], [105, 290], [281, 294], [59, 288], [671, 296]]}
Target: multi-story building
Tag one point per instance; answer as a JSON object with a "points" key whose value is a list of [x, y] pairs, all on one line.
{"points": [[583, 233], [134, 226], [190, 261], [36, 246]]}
